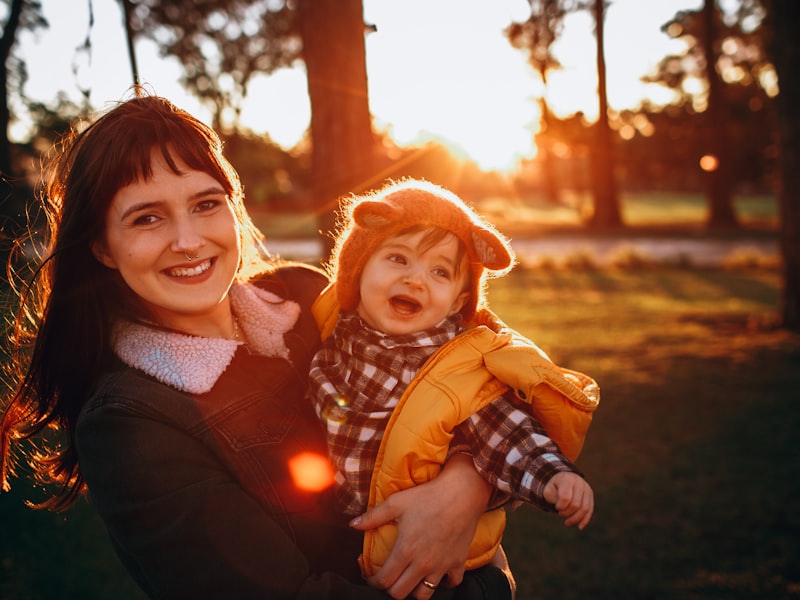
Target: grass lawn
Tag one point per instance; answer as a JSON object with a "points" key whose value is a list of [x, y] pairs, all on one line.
{"points": [[518, 216], [692, 453]]}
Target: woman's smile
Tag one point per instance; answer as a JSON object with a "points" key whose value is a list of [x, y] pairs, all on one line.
{"points": [[155, 227], [192, 272]]}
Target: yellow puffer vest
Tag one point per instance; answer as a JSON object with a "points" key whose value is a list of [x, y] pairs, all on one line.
{"points": [[460, 378]]}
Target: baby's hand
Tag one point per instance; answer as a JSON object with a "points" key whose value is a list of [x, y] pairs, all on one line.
{"points": [[572, 496]]}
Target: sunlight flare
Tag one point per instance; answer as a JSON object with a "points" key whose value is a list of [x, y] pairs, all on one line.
{"points": [[311, 472]]}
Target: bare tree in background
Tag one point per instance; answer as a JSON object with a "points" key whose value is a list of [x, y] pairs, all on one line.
{"points": [[6, 43], [784, 15], [19, 14], [536, 36], [606, 201], [221, 44], [13, 201], [720, 193], [343, 142], [718, 42]]}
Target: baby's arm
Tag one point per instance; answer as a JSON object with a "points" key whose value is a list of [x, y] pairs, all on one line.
{"points": [[572, 496], [514, 453]]}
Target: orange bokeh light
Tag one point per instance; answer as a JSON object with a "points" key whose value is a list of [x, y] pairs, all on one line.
{"points": [[311, 472], [709, 163]]}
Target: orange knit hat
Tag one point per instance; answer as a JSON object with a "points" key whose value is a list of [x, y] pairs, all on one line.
{"points": [[369, 220]]}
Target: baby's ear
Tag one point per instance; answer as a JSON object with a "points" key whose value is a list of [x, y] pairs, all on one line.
{"points": [[492, 252], [374, 215]]}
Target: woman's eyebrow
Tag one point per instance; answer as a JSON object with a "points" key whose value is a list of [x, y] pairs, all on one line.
{"points": [[209, 191], [139, 207]]}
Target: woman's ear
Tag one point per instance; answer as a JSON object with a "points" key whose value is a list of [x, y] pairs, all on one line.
{"points": [[100, 253]]}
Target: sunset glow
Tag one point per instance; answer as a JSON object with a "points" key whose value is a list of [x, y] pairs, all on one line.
{"points": [[436, 71]]}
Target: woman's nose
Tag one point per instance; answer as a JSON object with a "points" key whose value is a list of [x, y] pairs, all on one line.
{"points": [[188, 240]]}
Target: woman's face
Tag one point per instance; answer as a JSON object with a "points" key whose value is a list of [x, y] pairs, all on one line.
{"points": [[175, 241]]}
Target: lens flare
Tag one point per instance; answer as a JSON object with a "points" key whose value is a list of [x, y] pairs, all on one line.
{"points": [[311, 472]]}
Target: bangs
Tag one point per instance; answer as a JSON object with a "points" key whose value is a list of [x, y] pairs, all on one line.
{"points": [[175, 142]]}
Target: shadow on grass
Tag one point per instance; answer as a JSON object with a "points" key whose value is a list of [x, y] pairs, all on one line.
{"points": [[697, 491], [45, 555]]}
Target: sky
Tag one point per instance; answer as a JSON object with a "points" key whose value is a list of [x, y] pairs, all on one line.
{"points": [[437, 69]]}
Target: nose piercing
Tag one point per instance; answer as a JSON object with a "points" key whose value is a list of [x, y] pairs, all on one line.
{"points": [[191, 258]]}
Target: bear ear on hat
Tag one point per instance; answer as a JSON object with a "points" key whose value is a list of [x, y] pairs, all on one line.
{"points": [[374, 215], [491, 250]]}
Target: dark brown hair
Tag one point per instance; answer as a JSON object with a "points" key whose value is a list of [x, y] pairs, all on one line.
{"points": [[60, 339]]}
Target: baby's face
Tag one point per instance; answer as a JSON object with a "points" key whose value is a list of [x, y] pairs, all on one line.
{"points": [[406, 287]]}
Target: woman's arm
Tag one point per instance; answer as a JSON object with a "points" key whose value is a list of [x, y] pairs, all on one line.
{"points": [[181, 524], [436, 522]]}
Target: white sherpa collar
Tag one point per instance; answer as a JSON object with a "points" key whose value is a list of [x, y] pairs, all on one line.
{"points": [[193, 364]]}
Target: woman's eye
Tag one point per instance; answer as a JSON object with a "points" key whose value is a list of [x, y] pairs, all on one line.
{"points": [[147, 219], [207, 205]]}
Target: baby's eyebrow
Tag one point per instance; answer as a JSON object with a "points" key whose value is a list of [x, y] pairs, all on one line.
{"points": [[396, 246]]}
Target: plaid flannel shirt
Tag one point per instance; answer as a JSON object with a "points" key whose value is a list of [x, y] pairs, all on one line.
{"points": [[358, 377]]}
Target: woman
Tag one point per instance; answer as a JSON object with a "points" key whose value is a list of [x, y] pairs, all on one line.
{"points": [[170, 358]]}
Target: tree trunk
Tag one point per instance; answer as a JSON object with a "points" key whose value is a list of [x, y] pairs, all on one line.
{"points": [[127, 11], [343, 144], [6, 43], [785, 14], [606, 203], [550, 177], [13, 211], [720, 196]]}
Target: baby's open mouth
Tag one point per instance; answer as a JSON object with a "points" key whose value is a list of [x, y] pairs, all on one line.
{"points": [[405, 305]]}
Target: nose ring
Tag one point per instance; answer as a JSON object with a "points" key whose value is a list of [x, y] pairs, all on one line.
{"points": [[191, 258]]}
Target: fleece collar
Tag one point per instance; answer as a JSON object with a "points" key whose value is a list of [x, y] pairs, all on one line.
{"points": [[194, 364]]}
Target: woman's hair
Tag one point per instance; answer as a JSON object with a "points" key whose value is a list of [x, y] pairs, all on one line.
{"points": [[59, 341]]}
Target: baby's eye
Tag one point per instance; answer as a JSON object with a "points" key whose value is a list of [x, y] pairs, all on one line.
{"points": [[444, 273], [397, 258]]}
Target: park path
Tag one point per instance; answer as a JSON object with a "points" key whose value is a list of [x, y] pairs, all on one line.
{"points": [[697, 251]]}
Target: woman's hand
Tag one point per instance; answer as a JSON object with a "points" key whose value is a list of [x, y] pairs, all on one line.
{"points": [[436, 522]]}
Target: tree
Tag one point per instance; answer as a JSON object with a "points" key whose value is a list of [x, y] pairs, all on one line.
{"points": [[343, 142], [720, 194], [725, 54], [127, 13], [785, 49], [6, 43], [13, 189], [222, 45], [536, 36], [19, 14], [606, 202]]}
